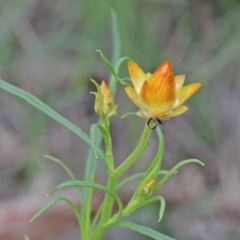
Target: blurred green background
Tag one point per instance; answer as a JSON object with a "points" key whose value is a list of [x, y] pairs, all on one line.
{"points": [[47, 47]]}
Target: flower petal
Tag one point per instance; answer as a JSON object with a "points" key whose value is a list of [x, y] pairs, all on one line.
{"points": [[137, 75], [134, 97], [186, 92], [178, 111], [179, 81]]}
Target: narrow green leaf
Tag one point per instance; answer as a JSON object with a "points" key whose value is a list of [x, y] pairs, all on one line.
{"points": [[116, 38], [113, 82], [88, 185], [129, 114], [116, 52], [92, 138], [138, 175], [155, 166], [174, 169], [90, 168], [26, 237], [88, 208], [153, 170], [47, 110], [111, 68], [162, 205], [143, 230], [51, 203], [127, 78], [96, 217], [102, 130], [68, 171]]}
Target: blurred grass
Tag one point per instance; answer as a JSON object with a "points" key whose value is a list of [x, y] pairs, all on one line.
{"points": [[48, 48]]}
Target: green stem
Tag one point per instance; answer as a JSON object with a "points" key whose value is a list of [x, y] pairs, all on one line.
{"points": [[113, 180], [112, 184], [96, 218], [106, 210], [135, 154], [87, 213], [153, 169]]}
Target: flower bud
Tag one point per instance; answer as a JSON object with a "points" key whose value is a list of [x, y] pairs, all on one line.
{"points": [[106, 105], [148, 187]]}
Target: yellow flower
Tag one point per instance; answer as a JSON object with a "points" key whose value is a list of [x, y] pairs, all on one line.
{"points": [[159, 95], [107, 103]]}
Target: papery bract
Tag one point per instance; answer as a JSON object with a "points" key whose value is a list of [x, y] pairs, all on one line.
{"points": [[159, 95]]}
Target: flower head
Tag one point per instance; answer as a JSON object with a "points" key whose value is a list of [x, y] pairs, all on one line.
{"points": [[106, 103], [159, 95]]}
